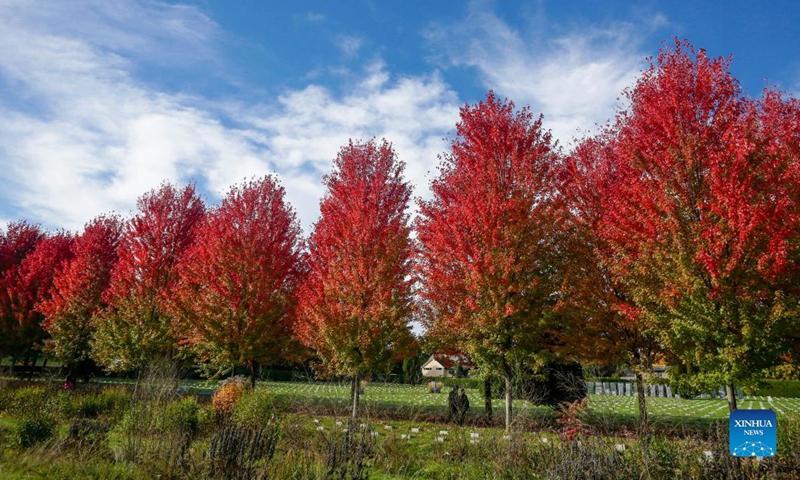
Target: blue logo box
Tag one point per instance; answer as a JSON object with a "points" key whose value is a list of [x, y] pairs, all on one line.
{"points": [[753, 433]]}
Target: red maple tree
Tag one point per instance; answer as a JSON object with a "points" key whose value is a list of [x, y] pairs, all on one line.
{"points": [[237, 283], [137, 327], [19, 240], [608, 328], [77, 293], [32, 284], [703, 224], [355, 300], [486, 240]]}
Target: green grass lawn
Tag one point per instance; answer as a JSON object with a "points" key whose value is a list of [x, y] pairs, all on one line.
{"points": [[417, 396]]}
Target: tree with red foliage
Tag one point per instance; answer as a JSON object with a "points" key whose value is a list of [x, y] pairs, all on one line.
{"points": [[77, 293], [703, 226], [237, 282], [487, 241], [355, 300], [19, 240], [609, 329], [136, 327], [30, 285]]}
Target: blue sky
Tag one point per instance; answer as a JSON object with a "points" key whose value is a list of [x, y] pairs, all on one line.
{"points": [[101, 101]]}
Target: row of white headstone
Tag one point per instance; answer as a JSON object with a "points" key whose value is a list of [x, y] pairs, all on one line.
{"points": [[651, 390]]}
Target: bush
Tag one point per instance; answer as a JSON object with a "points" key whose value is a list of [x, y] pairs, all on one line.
{"points": [[182, 416], [88, 404], [256, 407], [28, 399], [113, 399], [562, 383], [227, 395], [89, 407], [33, 429], [685, 390], [779, 388]]}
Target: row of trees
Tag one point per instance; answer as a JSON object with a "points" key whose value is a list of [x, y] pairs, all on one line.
{"points": [[673, 234]]}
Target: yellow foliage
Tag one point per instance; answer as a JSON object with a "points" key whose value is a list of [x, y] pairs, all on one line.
{"points": [[227, 396]]}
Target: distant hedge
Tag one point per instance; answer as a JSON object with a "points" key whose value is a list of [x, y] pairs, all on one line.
{"points": [[461, 382], [780, 388], [609, 379]]}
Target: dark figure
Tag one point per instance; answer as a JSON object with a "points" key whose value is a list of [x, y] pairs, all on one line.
{"points": [[69, 383], [452, 400], [463, 406]]}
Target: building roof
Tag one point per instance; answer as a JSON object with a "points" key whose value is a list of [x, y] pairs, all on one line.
{"points": [[448, 361]]}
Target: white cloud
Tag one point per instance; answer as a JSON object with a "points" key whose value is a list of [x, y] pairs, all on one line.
{"points": [[349, 45], [90, 138], [308, 126], [82, 134], [574, 78]]}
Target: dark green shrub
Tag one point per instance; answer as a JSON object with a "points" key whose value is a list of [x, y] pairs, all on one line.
{"points": [[89, 407], [779, 388], [557, 383], [33, 429], [277, 375]]}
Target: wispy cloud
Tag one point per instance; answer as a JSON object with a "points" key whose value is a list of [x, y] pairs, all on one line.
{"points": [[573, 77], [315, 17], [82, 133], [309, 126], [349, 45]]}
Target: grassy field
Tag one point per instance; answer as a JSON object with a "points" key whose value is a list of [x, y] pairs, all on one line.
{"points": [[106, 431], [417, 396]]}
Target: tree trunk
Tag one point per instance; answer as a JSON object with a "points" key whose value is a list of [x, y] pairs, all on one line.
{"points": [[253, 368], [640, 396], [509, 400], [487, 396], [731, 394], [24, 372], [355, 395], [29, 373]]}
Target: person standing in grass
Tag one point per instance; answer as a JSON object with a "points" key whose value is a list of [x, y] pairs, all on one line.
{"points": [[452, 400], [463, 406]]}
